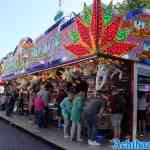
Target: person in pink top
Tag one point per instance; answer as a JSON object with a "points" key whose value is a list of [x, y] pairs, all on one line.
{"points": [[39, 105]]}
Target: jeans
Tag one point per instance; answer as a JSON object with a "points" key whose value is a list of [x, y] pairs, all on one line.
{"points": [[91, 127], [46, 117], [21, 107], [9, 107], [39, 115]]}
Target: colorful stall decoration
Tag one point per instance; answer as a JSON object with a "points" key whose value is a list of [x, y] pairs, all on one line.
{"points": [[2, 82], [1, 68], [9, 66], [27, 43], [140, 33], [145, 55], [59, 16], [22, 83], [68, 74], [96, 30], [99, 32], [53, 74]]}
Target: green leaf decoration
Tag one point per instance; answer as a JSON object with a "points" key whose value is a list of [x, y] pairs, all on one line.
{"points": [[107, 20], [108, 14], [87, 15], [75, 37], [58, 16], [57, 40], [122, 34]]}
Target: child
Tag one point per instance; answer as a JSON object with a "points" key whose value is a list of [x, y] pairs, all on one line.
{"points": [[66, 106], [39, 105], [76, 112]]}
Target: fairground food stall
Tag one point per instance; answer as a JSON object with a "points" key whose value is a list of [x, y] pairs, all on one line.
{"points": [[96, 44]]}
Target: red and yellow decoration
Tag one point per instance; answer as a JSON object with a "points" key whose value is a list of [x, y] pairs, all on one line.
{"points": [[98, 32], [145, 55], [26, 43], [2, 68]]}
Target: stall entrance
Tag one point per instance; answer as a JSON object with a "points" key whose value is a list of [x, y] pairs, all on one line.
{"points": [[116, 78]]}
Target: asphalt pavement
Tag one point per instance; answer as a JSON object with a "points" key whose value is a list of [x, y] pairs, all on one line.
{"points": [[12, 138]]}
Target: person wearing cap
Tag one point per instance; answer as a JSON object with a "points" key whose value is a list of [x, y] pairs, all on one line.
{"points": [[92, 113]]}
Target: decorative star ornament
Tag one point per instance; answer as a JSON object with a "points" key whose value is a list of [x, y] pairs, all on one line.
{"points": [[99, 31]]}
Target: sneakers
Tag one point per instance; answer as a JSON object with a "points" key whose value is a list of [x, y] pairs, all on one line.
{"points": [[30, 121], [110, 141], [37, 130], [93, 143], [66, 136], [89, 142], [79, 140], [114, 140]]}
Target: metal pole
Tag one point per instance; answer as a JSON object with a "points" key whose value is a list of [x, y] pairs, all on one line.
{"points": [[97, 26], [134, 127]]}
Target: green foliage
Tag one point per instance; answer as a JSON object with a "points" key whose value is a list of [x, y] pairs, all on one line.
{"points": [[107, 15], [128, 5], [75, 37]]}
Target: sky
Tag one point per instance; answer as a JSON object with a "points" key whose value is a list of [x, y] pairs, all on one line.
{"points": [[30, 18]]}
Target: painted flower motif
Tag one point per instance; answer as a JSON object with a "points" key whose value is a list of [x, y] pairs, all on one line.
{"points": [[99, 31]]}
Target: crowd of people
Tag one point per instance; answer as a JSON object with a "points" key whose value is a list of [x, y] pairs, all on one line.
{"points": [[74, 107]]}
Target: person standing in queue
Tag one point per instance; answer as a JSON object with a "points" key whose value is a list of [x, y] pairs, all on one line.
{"points": [[39, 105], [76, 113], [13, 97], [45, 94], [92, 113], [118, 108], [61, 95], [66, 106]]}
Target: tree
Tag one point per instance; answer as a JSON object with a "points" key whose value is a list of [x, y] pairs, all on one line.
{"points": [[128, 5]]}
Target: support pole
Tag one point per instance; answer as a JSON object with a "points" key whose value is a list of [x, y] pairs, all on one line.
{"points": [[135, 76], [97, 26]]}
